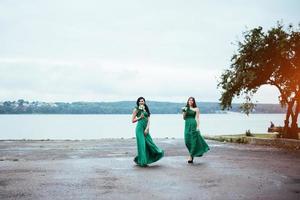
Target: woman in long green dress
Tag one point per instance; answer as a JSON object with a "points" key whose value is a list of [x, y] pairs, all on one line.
{"points": [[147, 151], [192, 136]]}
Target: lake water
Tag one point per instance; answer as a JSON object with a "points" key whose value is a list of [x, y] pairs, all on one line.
{"points": [[117, 126]]}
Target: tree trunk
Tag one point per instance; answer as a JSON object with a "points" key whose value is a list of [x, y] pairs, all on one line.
{"points": [[292, 131], [294, 126], [286, 121]]}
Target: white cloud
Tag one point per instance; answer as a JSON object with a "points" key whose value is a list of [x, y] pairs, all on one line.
{"points": [[117, 50], [96, 80]]}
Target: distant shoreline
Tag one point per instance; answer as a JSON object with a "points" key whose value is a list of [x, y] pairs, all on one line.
{"points": [[122, 107], [224, 113]]}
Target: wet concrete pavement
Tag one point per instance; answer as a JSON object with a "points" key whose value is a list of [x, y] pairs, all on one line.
{"points": [[104, 169]]}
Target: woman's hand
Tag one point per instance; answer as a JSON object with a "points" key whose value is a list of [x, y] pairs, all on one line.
{"points": [[146, 131], [142, 116]]}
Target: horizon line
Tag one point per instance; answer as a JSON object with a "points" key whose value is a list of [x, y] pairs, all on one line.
{"points": [[125, 101]]}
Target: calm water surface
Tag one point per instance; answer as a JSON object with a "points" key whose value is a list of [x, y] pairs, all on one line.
{"points": [[117, 126]]}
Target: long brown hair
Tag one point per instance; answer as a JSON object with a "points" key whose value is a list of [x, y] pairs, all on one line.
{"points": [[194, 102]]}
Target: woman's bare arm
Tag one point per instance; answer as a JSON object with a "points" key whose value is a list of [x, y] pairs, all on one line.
{"points": [[197, 117], [134, 117], [183, 113]]}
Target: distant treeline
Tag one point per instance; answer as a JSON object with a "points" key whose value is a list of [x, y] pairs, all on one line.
{"points": [[122, 107]]}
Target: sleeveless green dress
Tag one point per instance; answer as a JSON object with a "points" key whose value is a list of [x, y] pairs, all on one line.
{"points": [[147, 151], [194, 142]]}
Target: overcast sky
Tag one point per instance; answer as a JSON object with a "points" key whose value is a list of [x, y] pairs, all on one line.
{"points": [[91, 50]]}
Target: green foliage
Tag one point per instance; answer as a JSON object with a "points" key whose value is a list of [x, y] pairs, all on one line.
{"points": [[271, 58], [266, 58], [248, 133]]}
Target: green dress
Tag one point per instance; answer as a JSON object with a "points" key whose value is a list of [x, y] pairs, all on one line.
{"points": [[192, 137], [147, 151]]}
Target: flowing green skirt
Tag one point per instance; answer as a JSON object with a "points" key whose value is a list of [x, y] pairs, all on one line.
{"points": [[147, 151], [194, 142]]}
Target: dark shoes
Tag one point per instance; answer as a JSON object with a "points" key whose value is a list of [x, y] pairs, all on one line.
{"points": [[191, 161]]}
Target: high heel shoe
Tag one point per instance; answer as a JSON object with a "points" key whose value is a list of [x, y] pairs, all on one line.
{"points": [[191, 161]]}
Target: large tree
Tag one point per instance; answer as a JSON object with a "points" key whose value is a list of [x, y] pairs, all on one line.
{"points": [[266, 58]]}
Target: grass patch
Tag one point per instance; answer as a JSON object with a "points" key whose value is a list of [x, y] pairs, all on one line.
{"points": [[240, 138]]}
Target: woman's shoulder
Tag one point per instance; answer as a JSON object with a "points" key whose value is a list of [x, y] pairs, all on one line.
{"points": [[195, 109], [135, 109]]}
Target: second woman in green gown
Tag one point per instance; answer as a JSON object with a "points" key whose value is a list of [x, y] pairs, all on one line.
{"points": [[194, 142], [147, 151]]}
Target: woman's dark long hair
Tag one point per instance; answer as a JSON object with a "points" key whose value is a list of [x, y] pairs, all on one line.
{"points": [[146, 107], [194, 102]]}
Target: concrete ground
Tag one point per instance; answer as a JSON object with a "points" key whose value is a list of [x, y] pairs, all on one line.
{"points": [[104, 169]]}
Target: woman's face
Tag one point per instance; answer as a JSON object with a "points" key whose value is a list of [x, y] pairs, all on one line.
{"points": [[191, 102], [141, 102]]}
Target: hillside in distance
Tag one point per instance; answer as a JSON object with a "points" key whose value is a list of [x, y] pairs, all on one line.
{"points": [[121, 107]]}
